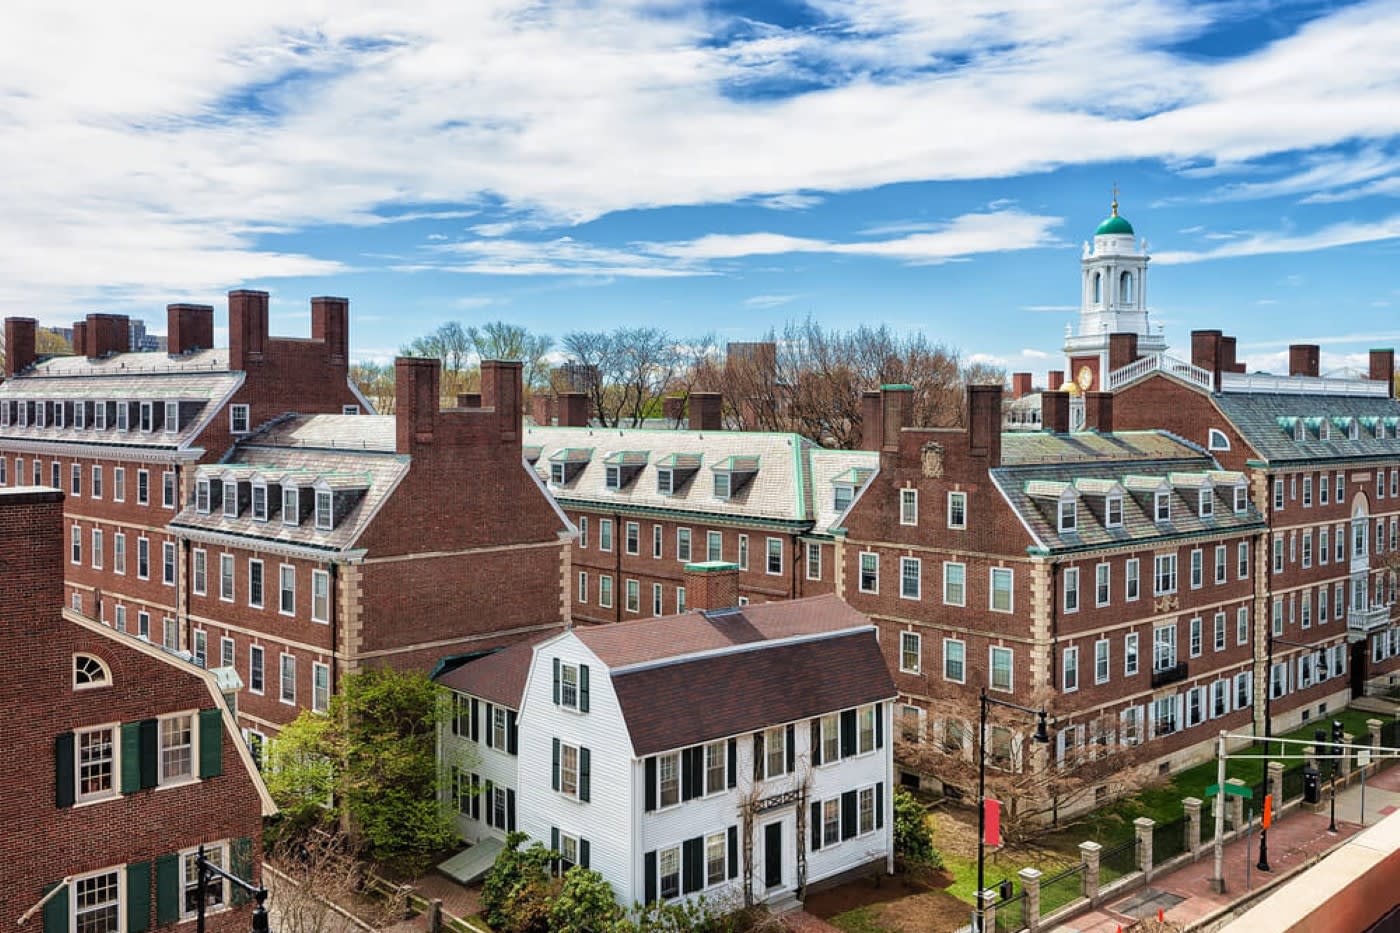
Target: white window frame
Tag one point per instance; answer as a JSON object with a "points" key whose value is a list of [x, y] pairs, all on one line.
{"points": [[1132, 656], [910, 641], [321, 596], [1069, 669], [320, 693], [957, 511], [1010, 575], [112, 760], [1132, 579], [960, 660], [1010, 653], [1070, 600], [238, 415], [283, 696], [909, 506], [161, 748], [961, 568], [905, 563]]}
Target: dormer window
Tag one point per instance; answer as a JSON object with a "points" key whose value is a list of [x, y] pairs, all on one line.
{"points": [[80, 415], [230, 498], [259, 502], [842, 496], [4, 414], [58, 414], [24, 414], [1353, 429], [613, 479], [732, 474], [201, 496], [1069, 516], [172, 416], [622, 467], [99, 415], [1324, 430], [324, 512], [567, 463], [723, 486], [1113, 512], [1162, 506], [1300, 429], [41, 414], [1242, 499], [291, 505], [665, 482], [1205, 499], [123, 413], [556, 474]]}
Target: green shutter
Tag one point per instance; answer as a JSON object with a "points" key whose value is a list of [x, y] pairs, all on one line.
{"points": [[150, 752], [583, 853], [513, 733], [584, 775], [583, 688], [816, 741], [56, 910], [211, 743], [692, 865], [649, 870], [849, 814], [138, 897], [131, 759], [732, 763], [880, 805], [732, 839], [241, 865], [554, 780], [64, 788], [167, 889], [848, 733], [815, 829], [556, 681], [490, 724], [791, 749]]}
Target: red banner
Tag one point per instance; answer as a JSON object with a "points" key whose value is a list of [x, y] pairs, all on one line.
{"points": [[992, 836]]}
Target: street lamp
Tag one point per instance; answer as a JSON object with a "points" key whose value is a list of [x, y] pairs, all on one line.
{"points": [[206, 871], [1041, 736], [1269, 732]]}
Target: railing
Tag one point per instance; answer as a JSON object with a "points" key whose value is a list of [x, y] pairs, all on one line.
{"points": [[1118, 861], [1300, 385], [1011, 914], [1169, 675], [1060, 889], [1368, 620], [1168, 840], [1158, 362], [1076, 413]]}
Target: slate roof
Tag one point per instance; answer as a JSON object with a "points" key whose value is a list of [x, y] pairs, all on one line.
{"points": [[1025, 447], [498, 677], [792, 482], [1256, 415]]}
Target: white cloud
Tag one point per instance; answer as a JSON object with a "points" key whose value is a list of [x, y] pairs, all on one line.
{"points": [[1031, 354], [1265, 243], [768, 301], [792, 201], [1051, 309]]}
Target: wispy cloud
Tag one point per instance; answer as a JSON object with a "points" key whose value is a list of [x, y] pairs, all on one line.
{"points": [[768, 301], [792, 201], [1263, 243]]}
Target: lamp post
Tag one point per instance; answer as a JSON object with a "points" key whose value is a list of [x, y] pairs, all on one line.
{"points": [[1041, 736], [205, 871], [1263, 864]]}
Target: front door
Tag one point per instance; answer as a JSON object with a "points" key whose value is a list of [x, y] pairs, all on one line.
{"points": [[1360, 661], [773, 855]]}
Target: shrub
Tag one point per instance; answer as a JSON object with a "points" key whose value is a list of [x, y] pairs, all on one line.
{"points": [[585, 904], [913, 838], [516, 894]]}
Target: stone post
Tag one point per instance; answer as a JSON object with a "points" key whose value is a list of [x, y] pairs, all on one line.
{"points": [[1192, 805], [1346, 762], [1310, 757], [1373, 726], [1235, 813], [1275, 769], [1143, 826], [1030, 884], [1089, 855], [989, 910]]}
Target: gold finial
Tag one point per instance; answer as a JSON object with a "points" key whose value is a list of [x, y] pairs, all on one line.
{"points": [[1115, 199]]}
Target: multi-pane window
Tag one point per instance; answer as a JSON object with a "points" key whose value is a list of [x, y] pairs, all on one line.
{"points": [[255, 668], [954, 660], [910, 578], [1220, 631], [75, 486], [324, 511], [957, 510], [288, 680], [910, 652], [831, 821], [954, 584], [97, 548], [255, 583], [682, 545], [176, 748], [1070, 667], [774, 752], [633, 594], [715, 767], [226, 652], [143, 558], [1113, 512], [201, 496], [744, 555], [1197, 625], [97, 481], [1002, 579], [632, 537], [1162, 506], [226, 577], [321, 687], [1102, 585], [714, 858], [291, 505], [814, 560], [583, 586], [775, 556], [1069, 516], [869, 581], [75, 544], [1164, 574], [320, 596], [1205, 502], [714, 545], [668, 780], [1132, 584], [657, 598], [96, 763], [1130, 654], [1307, 492], [866, 811], [167, 489], [1222, 563], [668, 870], [1197, 569], [201, 643], [908, 506], [831, 737], [1101, 661], [97, 903], [1001, 678], [167, 563], [286, 589], [1071, 588], [1278, 494], [214, 891], [143, 488], [605, 591], [259, 502], [605, 534], [238, 419], [1164, 647], [1242, 560], [199, 559]]}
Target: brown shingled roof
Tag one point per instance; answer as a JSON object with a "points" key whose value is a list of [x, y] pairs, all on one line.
{"points": [[498, 677], [693, 632], [676, 705]]}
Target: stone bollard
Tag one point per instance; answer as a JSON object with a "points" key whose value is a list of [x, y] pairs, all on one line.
{"points": [[1030, 884], [1275, 769], [1235, 806], [1089, 855], [1192, 805], [1373, 726], [1348, 759], [435, 915], [1310, 757], [1143, 827], [989, 910]]}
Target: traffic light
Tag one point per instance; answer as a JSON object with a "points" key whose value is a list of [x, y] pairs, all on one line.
{"points": [[1337, 732]]}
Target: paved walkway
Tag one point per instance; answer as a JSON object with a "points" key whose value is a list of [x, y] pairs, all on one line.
{"points": [[1185, 894]]}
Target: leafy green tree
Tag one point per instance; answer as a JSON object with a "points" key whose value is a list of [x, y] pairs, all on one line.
{"points": [[913, 837], [585, 904], [516, 893]]}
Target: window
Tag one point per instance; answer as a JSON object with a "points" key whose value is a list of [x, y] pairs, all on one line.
{"points": [[1222, 563], [910, 578], [1001, 668], [774, 752], [682, 545], [1162, 506], [1341, 487], [201, 496], [96, 902], [830, 729], [612, 477], [1197, 569], [657, 606], [321, 688], [259, 502], [143, 558], [814, 560], [865, 729], [96, 764], [909, 507], [288, 683], [201, 643], [714, 545], [715, 858], [632, 592], [1113, 512], [1102, 587], [1307, 549], [237, 419], [1307, 491], [1322, 605], [75, 544], [1216, 440], [1242, 560], [775, 556], [744, 555], [910, 652], [1219, 631], [1340, 542], [1196, 637], [957, 510], [167, 489], [291, 505], [255, 669], [226, 652], [831, 821], [97, 482], [89, 672], [632, 537], [668, 868], [1130, 654], [1306, 618], [954, 584], [668, 780], [557, 475], [167, 562], [1164, 574], [1131, 584], [75, 479], [716, 770], [1069, 516], [1001, 600], [230, 499], [97, 549], [1164, 715], [1205, 502], [1278, 617], [215, 892], [605, 586], [176, 748], [1070, 666], [320, 593], [1278, 494], [226, 577], [1164, 647], [143, 488], [324, 514], [841, 496], [1101, 661], [723, 485], [869, 572], [954, 660], [255, 584]]}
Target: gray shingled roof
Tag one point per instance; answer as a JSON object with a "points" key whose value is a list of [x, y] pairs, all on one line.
{"points": [[1023, 447], [1260, 418]]}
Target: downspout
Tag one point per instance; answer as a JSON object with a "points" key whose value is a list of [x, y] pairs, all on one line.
{"points": [[1054, 645], [618, 583], [333, 606]]}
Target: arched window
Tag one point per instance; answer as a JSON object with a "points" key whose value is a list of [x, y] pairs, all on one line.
{"points": [[1098, 287], [1218, 440], [89, 672], [1125, 288]]}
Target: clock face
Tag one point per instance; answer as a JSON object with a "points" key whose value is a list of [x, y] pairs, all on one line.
{"points": [[1086, 378]]}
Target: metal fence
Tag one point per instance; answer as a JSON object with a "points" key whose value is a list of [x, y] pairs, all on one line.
{"points": [[1168, 840], [1390, 733], [1011, 914], [1118, 861], [1060, 889], [1292, 783]]}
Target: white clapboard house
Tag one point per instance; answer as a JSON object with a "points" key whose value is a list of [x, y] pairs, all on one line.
{"points": [[685, 755]]}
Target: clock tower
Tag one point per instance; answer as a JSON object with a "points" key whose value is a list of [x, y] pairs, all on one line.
{"points": [[1113, 302]]}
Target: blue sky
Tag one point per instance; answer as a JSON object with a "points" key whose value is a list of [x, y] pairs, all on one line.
{"points": [[719, 168]]}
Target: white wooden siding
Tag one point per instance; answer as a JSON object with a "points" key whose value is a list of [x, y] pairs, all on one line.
{"points": [[490, 764]]}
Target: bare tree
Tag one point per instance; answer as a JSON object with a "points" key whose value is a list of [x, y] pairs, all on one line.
{"points": [[450, 344], [318, 882], [376, 383], [499, 340]]}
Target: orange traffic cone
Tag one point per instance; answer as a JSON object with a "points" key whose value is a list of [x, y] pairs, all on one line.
{"points": [[1161, 915]]}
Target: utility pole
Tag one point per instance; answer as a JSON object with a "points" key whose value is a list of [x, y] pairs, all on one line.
{"points": [[1218, 883]]}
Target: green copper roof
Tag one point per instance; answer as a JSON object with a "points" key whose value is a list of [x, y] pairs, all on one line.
{"points": [[1114, 225]]}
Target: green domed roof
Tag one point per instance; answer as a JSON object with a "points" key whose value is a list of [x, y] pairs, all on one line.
{"points": [[1114, 225]]}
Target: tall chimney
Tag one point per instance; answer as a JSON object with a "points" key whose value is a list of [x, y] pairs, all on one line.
{"points": [[416, 381], [706, 411], [1021, 385], [896, 408], [468, 399], [107, 334], [31, 549], [1303, 359], [503, 388], [1054, 412], [711, 585], [21, 344], [870, 435], [574, 409], [984, 422], [80, 338], [1122, 350], [247, 327], [1206, 351], [1229, 356], [1098, 412], [673, 408], [1054, 379], [542, 409], [330, 322], [189, 328], [1383, 368]]}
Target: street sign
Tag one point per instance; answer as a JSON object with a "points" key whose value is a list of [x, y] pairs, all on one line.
{"points": [[1231, 790], [1363, 758], [1212, 790]]}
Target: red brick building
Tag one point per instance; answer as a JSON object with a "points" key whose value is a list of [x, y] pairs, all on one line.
{"points": [[322, 543], [646, 502], [126, 759]]}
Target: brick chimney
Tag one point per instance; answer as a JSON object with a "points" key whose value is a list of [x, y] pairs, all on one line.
{"points": [[1206, 353], [503, 388], [1021, 385], [188, 328], [709, 585], [468, 399], [1054, 412], [1303, 359], [1122, 350], [107, 334], [20, 347], [984, 422], [706, 411], [80, 338], [1098, 412], [896, 408], [330, 322], [1054, 379], [247, 327], [1229, 360], [870, 436], [542, 408], [416, 387], [31, 550], [1383, 368], [574, 409], [673, 408]]}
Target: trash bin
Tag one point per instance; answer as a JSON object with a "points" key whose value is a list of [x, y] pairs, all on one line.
{"points": [[1005, 889], [1312, 785]]}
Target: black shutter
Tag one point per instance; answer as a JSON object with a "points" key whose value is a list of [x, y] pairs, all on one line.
{"points": [[879, 725], [848, 733], [490, 725], [583, 688], [554, 847], [733, 762], [583, 853], [556, 681], [791, 748], [513, 733], [510, 810], [138, 897], [491, 804], [693, 864], [688, 770], [733, 848], [475, 729], [848, 814], [758, 756], [816, 741], [131, 757], [584, 775], [815, 829], [648, 869], [150, 753], [476, 796], [554, 780], [880, 805], [651, 799], [64, 786]]}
